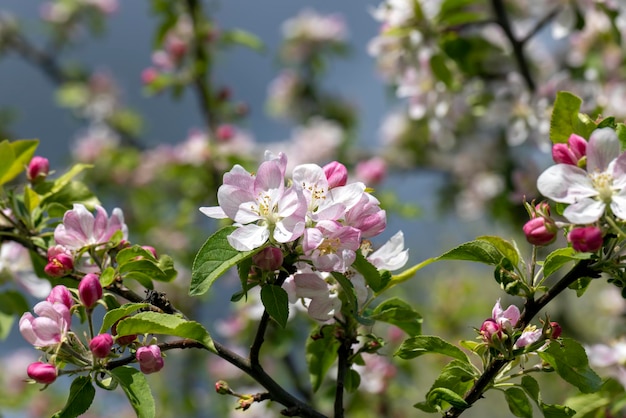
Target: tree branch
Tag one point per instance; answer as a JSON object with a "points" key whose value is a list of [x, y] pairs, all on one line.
{"points": [[531, 308]]}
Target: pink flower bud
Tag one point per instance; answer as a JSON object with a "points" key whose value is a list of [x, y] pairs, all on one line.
{"points": [[540, 231], [225, 132], [89, 290], [269, 259], [60, 294], [222, 388], [556, 330], [42, 372], [586, 239], [38, 169], [336, 174], [149, 358], [491, 331], [149, 75], [101, 345], [176, 47], [570, 153], [372, 171]]}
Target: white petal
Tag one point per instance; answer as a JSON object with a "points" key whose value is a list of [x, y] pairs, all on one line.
{"points": [[214, 212], [585, 211], [565, 183], [248, 237], [618, 205], [602, 149]]}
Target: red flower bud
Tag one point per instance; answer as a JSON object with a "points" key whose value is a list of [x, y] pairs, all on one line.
{"points": [[586, 239], [38, 169], [149, 358], [89, 290], [268, 259], [42, 372], [490, 330], [540, 231], [101, 345], [556, 330], [225, 132], [150, 249]]}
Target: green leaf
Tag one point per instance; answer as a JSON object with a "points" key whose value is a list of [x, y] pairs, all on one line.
{"points": [[424, 344], [530, 385], [397, 312], [440, 69], [138, 263], [519, 405], [6, 323], [13, 302], [136, 388], [457, 377], [14, 157], [31, 199], [481, 250], [65, 179], [369, 271], [621, 134], [321, 353], [161, 323], [214, 258], [507, 248], [81, 396], [558, 258], [569, 360], [352, 381], [564, 116], [276, 303], [242, 37], [556, 411], [114, 315], [437, 395], [107, 277]]}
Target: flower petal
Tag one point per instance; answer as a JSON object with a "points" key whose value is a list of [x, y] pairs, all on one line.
{"points": [[602, 149], [585, 211], [565, 183], [248, 237], [618, 204]]}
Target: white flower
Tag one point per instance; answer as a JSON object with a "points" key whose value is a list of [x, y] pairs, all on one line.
{"points": [[589, 192]]}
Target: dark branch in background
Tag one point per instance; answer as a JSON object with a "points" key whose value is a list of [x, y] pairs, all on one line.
{"points": [[343, 365], [47, 63], [202, 64], [531, 308]]}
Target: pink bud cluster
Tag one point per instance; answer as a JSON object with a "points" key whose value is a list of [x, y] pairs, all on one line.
{"points": [[541, 229]]}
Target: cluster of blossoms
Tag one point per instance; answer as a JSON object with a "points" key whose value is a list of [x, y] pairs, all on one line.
{"points": [[590, 178], [316, 218], [82, 249], [499, 331], [63, 12]]}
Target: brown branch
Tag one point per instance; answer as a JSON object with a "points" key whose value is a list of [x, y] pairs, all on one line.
{"points": [[531, 309]]}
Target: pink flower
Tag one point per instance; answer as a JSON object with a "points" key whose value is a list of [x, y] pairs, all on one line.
{"points": [[530, 336], [508, 318], [149, 358], [540, 231], [89, 290], [491, 331], [80, 228], [321, 305], [586, 239], [60, 294], [60, 262], [367, 216], [225, 132], [336, 174], [261, 205], [331, 246], [38, 169], [101, 345], [42, 372], [49, 328], [570, 153]]}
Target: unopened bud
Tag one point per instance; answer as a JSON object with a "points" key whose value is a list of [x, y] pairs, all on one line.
{"points": [[42, 372], [101, 345], [491, 331], [122, 339], [586, 239], [336, 174], [89, 290], [222, 388], [225, 132], [372, 171], [38, 169], [149, 358], [540, 231], [149, 75], [556, 330], [268, 259]]}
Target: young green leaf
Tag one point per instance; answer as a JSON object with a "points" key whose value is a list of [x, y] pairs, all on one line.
{"points": [[114, 315], [519, 405], [397, 312], [14, 156], [437, 395], [569, 360], [424, 344], [276, 303], [321, 353], [81, 396], [480, 250], [161, 323], [214, 258], [558, 258], [456, 377], [370, 273], [136, 388], [564, 116]]}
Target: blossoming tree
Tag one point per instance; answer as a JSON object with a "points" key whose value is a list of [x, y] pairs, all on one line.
{"points": [[322, 310]]}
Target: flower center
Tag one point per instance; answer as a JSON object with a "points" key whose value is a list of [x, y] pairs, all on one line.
{"points": [[603, 183], [329, 246]]}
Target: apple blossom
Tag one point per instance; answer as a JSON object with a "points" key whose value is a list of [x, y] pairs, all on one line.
{"points": [[589, 192], [60, 261], [61, 294], [101, 345], [331, 246], [16, 264], [310, 286], [570, 153], [391, 255], [37, 169], [586, 239], [508, 318], [89, 290], [490, 331], [80, 228], [49, 328]]}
